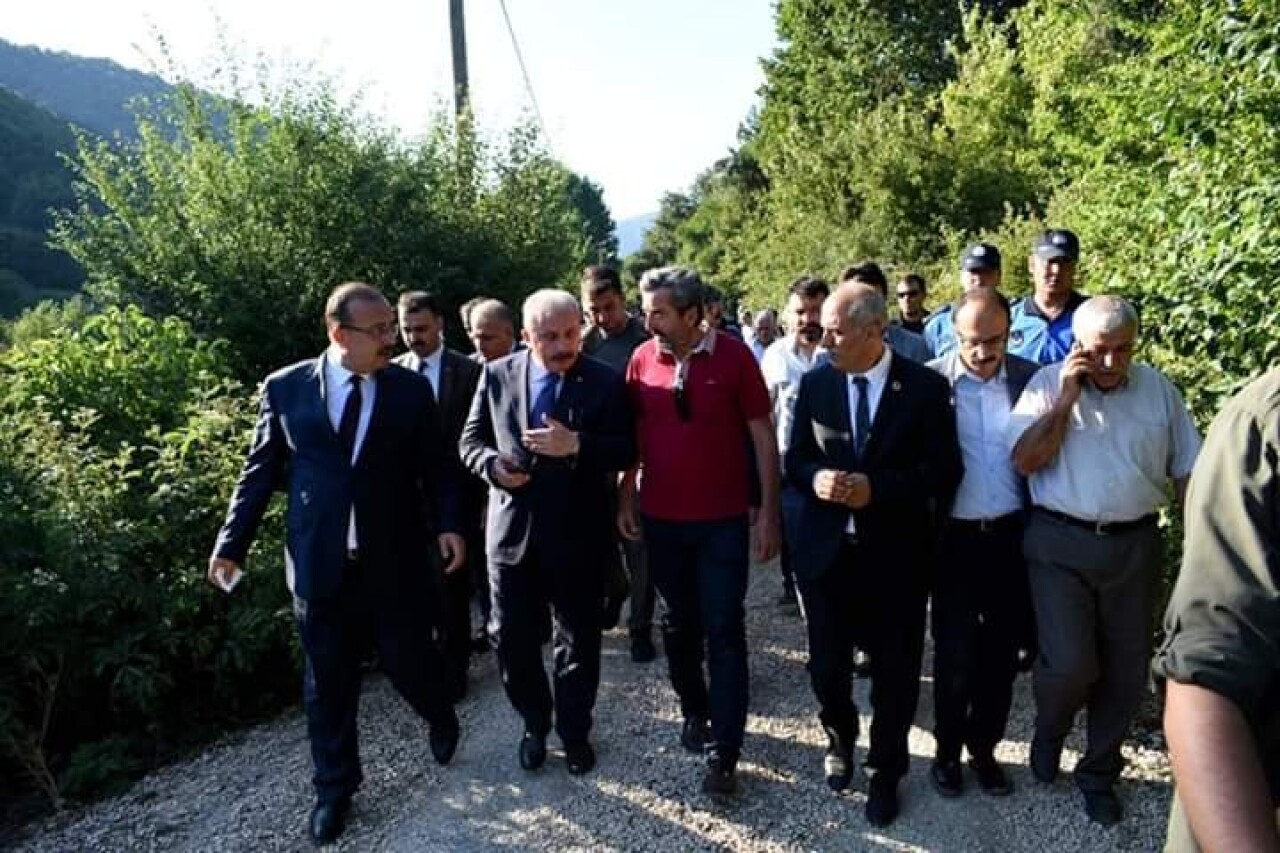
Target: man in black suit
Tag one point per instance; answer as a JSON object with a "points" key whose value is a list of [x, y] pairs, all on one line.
{"points": [[873, 447], [453, 379], [356, 441], [549, 430]]}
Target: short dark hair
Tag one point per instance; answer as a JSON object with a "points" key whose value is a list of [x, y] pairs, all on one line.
{"points": [[866, 273], [916, 279], [808, 287], [418, 300], [981, 294], [337, 308], [687, 289], [600, 279]]}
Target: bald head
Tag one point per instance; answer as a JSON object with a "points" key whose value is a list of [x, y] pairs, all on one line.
{"points": [[853, 323]]}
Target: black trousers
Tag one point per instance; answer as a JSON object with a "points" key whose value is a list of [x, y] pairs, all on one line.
{"points": [[531, 599], [874, 601], [335, 634], [454, 635], [982, 616]]}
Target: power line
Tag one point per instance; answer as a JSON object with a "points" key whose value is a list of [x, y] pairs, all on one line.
{"points": [[528, 84]]}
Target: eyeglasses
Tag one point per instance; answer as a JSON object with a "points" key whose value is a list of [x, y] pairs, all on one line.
{"points": [[381, 330], [907, 294]]}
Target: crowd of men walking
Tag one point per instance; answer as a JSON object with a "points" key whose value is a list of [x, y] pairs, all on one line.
{"points": [[994, 467]]}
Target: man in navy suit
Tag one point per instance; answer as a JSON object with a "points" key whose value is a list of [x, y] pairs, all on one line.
{"points": [[549, 430], [453, 377], [357, 443], [873, 447]]}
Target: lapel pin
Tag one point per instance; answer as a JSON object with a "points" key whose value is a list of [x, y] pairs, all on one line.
{"points": [[897, 386]]}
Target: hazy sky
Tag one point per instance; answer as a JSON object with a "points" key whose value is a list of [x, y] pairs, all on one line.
{"points": [[638, 95]]}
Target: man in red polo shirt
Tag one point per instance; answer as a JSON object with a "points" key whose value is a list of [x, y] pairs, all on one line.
{"points": [[699, 399]]}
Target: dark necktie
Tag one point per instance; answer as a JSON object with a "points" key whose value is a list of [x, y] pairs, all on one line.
{"points": [[544, 402], [861, 417], [350, 421]]}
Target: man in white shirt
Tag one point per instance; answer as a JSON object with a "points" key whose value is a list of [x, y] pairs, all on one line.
{"points": [[981, 605], [1100, 439]]}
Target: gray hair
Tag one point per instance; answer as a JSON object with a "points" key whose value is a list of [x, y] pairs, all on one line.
{"points": [[687, 289], [1104, 315], [487, 309], [866, 304], [549, 302]]}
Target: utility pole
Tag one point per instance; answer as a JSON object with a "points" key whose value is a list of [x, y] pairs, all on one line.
{"points": [[461, 88]]}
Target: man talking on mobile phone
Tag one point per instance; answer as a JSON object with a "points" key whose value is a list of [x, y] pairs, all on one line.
{"points": [[1099, 439]]}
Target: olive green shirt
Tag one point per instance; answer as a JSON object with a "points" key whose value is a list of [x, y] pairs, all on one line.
{"points": [[1223, 622]]}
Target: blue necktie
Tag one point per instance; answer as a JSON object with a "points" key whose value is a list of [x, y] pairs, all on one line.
{"points": [[545, 402], [861, 418]]}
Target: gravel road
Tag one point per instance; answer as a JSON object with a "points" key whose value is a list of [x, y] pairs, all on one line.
{"points": [[250, 791]]}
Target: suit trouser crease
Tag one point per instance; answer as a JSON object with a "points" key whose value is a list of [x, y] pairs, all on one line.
{"points": [[981, 607], [534, 600], [1094, 596], [877, 603], [701, 569], [334, 634]]}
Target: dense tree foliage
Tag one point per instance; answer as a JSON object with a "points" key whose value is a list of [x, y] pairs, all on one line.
{"points": [[901, 131]]}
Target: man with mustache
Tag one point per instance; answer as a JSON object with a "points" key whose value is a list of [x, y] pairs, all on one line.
{"points": [[783, 365], [699, 397], [1099, 439], [549, 430], [1042, 327], [981, 604], [357, 443]]}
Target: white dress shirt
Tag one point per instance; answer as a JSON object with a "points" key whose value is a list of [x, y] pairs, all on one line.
{"points": [[877, 377], [784, 365], [337, 383], [1121, 448], [430, 367]]}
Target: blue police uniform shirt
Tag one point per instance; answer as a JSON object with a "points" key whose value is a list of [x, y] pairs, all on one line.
{"points": [[939, 332], [1035, 337]]}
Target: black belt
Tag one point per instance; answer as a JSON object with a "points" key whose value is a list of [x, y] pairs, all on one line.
{"points": [[1101, 528], [988, 525]]}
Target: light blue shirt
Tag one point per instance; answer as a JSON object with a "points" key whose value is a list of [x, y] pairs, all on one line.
{"points": [[429, 367], [940, 332], [991, 486], [907, 344]]}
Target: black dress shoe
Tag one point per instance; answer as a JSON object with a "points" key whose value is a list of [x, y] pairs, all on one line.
{"points": [[328, 820], [947, 778], [444, 740], [580, 757], [991, 777], [882, 800], [533, 751], [1103, 807], [1046, 756], [695, 735], [838, 762], [642, 649], [719, 779]]}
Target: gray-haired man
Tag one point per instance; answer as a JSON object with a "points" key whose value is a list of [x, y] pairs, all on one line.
{"points": [[1099, 439]]}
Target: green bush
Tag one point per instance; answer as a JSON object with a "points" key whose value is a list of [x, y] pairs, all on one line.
{"points": [[120, 440]]}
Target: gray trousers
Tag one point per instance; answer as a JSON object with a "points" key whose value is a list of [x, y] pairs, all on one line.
{"points": [[1093, 597]]}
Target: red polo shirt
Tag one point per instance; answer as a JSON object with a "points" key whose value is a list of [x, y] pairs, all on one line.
{"points": [[696, 470]]}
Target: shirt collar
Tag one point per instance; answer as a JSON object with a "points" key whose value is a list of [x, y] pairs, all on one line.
{"points": [[537, 373], [333, 364], [1030, 307], [880, 371], [958, 370], [707, 345]]}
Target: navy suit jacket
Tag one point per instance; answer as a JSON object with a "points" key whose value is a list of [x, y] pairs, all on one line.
{"points": [[565, 508], [403, 492], [912, 459]]}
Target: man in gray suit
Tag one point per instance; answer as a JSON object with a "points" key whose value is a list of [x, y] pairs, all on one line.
{"points": [[453, 379], [549, 430]]}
